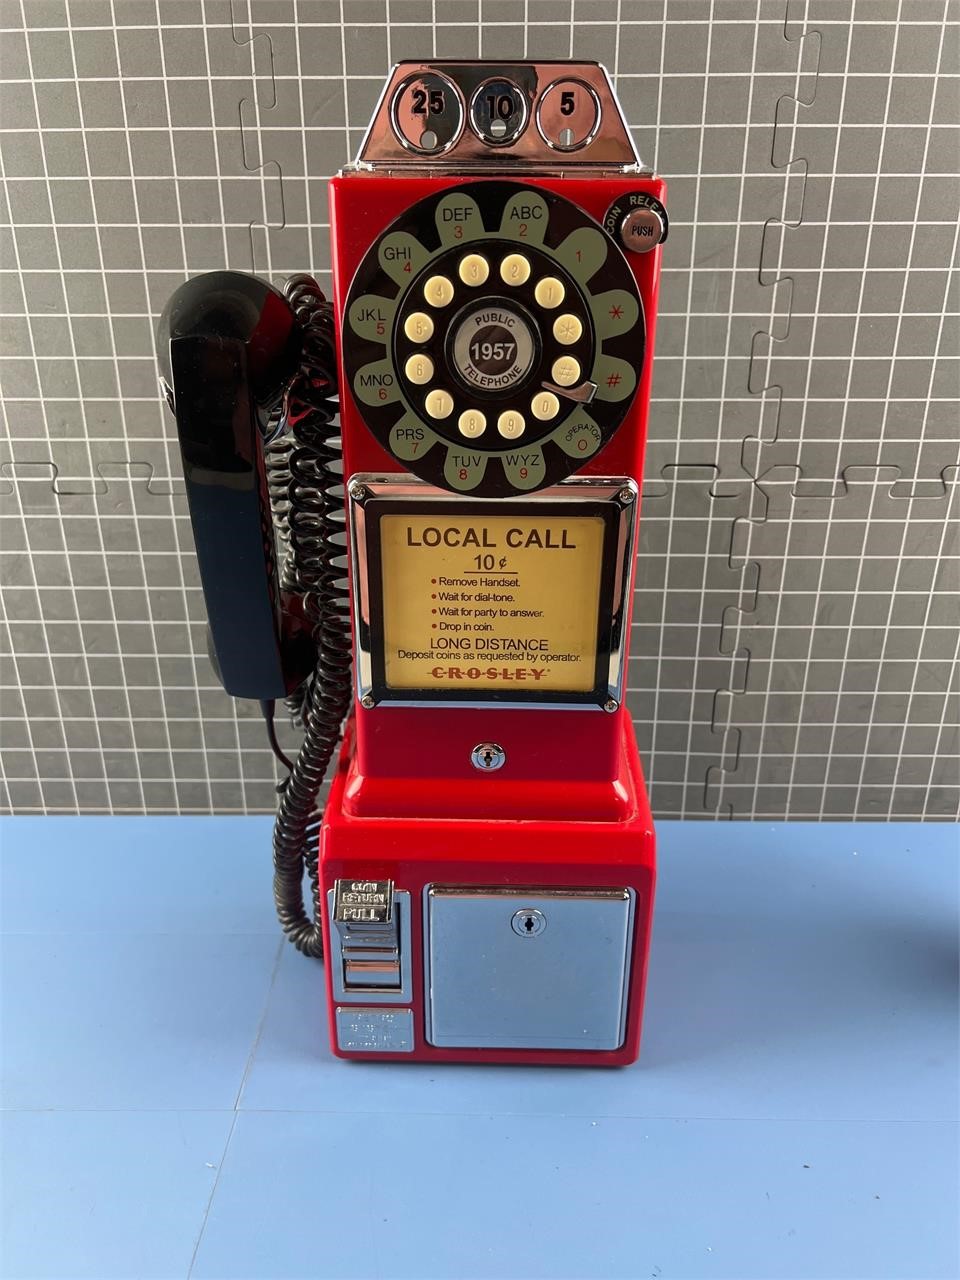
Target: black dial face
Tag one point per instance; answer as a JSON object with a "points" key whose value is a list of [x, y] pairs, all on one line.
{"points": [[495, 338]]}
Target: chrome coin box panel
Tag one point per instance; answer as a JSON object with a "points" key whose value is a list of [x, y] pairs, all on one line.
{"points": [[515, 968]]}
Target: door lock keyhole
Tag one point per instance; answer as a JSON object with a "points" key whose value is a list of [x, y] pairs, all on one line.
{"points": [[528, 922], [488, 756]]}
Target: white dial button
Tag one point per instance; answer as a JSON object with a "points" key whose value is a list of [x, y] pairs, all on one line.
{"points": [[419, 369], [549, 292], [418, 327], [567, 329], [515, 269], [545, 406], [472, 423], [473, 269], [565, 371], [439, 404], [510, 424], [438, 291]]}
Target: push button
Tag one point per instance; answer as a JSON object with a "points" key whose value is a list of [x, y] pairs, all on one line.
{"points": [[439, 404], [641, 229], [549, 292], [471, 423], [567, 329], [418, 327], [473, 269], [419, 369], [438, 291], [510, 424], [515, 269]]}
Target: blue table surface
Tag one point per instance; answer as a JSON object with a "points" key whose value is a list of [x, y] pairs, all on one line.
{"points": [[171, 1108]]}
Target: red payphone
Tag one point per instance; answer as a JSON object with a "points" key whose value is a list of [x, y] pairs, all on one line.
{"points": [[483, 867]]}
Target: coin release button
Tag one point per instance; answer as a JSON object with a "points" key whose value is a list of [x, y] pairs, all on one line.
{"points": [[549, 292], [515, 269], [439, 404], [510, 424], [565, 371], [473, 269], [641, 229], [544, 406], [472, 423], [418, 327], [419, 369], [438, 291], [567, 329]]}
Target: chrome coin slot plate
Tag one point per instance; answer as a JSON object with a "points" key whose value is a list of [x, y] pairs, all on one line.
{"points": [[461, 115]]}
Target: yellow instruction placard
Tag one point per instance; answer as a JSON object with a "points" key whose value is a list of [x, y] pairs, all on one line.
{"points": [[496, 603]]}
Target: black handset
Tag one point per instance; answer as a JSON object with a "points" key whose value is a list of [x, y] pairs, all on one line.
{"points": [[250, 374], [229, 346]]}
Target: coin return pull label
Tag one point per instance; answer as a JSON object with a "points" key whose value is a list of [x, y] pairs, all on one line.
{"points": [[365, 919]]}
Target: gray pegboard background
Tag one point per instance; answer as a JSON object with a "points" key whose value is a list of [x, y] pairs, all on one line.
{"points": [[795, 642]]}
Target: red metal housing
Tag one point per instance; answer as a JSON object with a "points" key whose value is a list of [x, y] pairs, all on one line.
{"points": [[406, 803]]}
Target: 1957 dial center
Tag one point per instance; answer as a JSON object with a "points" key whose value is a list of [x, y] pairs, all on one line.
{"points": [[493, 348]]}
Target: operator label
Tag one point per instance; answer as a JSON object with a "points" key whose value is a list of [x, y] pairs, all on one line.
{"points": [[502, 603]]}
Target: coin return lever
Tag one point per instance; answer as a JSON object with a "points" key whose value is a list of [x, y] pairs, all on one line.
{"points": [[368, 926]]}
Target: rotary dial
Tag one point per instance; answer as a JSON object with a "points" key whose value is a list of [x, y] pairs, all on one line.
{"points": [[496, 338]]}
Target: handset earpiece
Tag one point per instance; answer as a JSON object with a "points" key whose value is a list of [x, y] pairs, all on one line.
{"points": [[228, 346]]}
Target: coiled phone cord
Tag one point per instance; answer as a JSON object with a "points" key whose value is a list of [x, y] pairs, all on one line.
{"points": [[313, 514]]}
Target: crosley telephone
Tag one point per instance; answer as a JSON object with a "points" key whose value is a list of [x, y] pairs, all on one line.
{"points": [[415, 512]]}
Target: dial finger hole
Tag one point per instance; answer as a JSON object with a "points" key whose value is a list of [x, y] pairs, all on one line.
{"points": [[567, 329], [419, 369], [418, 327], [510, 424], [565, 371], [544, 406], [438, 291], [471, 423], [439, 404], [473, 269], [549, 292], [515, 269]]}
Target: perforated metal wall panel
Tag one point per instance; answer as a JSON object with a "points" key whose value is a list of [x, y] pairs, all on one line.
{"points": [[796, 628]]}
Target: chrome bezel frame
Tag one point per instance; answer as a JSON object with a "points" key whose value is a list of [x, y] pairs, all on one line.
{"points": [[621, 491]]}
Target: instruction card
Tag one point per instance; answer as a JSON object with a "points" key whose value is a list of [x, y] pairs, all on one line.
{"points": [[504, 603]]}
